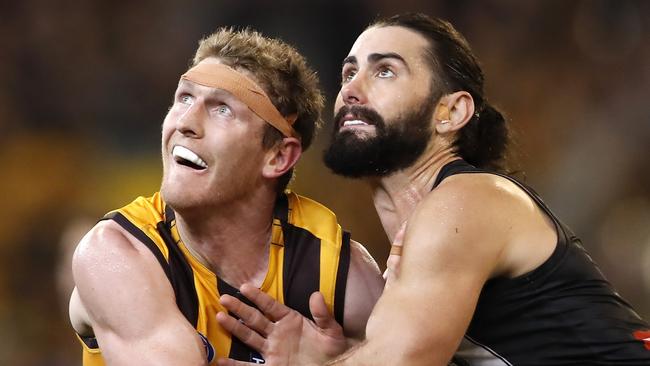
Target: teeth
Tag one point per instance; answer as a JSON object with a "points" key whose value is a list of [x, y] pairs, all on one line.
{"points": [[354, 122], [189, 155]]}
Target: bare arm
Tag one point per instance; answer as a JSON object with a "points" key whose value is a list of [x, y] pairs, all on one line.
{"points": [[453, 244], [364, 286], [459, 236], [123, 294]]}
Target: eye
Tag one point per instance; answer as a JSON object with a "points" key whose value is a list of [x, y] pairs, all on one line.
{"points": [[348, 75], [223, 110], [385, 73], [186, 99]]}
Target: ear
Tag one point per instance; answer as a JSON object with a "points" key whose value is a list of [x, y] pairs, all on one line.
{"points": [[454, 111], [281, 157]]}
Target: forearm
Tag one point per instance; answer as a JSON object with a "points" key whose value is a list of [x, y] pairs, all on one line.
{"points": [[172, 347], [356, 355], [368, 353], [408, 333]]}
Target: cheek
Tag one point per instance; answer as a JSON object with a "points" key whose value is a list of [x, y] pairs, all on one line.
{"points": [[166, 124], [338, 103]]}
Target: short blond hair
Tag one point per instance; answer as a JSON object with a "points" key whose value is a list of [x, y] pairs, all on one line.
{"points": [[282, 72]]}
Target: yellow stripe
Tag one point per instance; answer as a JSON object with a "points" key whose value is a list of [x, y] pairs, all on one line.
{"points": [[321, 222], [90, 356], [145, 213]]}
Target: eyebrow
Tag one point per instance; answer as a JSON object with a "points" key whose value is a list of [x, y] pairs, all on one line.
{"points": [[376, 57], [213, 93]]}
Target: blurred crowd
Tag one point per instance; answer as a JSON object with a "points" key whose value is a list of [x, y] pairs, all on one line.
{"points": [[85, 86]]}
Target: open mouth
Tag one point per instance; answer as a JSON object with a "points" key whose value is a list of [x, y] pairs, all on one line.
{"points": [[354, 122], [351, 121], [188, 158]]}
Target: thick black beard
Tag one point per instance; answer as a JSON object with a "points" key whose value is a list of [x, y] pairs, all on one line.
{"points": [[396, 146]]}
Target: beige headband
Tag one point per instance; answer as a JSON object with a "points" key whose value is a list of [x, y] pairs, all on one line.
{"points": [[223, 77]]}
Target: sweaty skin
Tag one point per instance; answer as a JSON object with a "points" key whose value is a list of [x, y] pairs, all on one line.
{"points": [[123, 297], [469, 229]]}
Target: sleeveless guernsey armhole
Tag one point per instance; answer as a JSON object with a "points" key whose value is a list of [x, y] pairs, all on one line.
{"points": [[452, 168], [177, 269], [301, 267], [89, 342], [301, 260], [182, 277], [462, 167], [341, 278]]}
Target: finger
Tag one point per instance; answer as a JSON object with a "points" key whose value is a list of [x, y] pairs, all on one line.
{"points": [[252, 317], [241, 331], [398, 240], [393, 261], [268, 305], [388, 274], [322, 317]]}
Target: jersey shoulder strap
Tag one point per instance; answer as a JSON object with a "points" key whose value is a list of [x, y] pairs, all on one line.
{"points": [[150, 221], [316, 254]]}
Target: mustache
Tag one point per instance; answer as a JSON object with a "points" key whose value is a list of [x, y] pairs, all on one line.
{"points": [[366, 114]]}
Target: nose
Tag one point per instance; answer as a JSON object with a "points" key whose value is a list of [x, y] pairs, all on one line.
{"points": [[190, 123], [354, 91]]}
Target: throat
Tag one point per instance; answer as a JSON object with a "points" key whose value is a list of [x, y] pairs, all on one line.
{"points": [[233, 242], [397, 196], [234, 263]]}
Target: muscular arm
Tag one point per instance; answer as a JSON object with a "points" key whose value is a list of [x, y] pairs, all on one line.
{"points": [[123, 294], [453, 244]]}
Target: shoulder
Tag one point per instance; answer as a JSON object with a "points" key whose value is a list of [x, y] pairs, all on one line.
{"points": [[306, 204], [107, 258], [108, 254], [364, 286], [143, 211], [478, 186], [363, 266], [477, 198], [313, 216], [105, 239], [482, 214], [361, 259], [466, 214]]}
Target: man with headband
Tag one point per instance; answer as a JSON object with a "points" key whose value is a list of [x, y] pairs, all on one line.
{"points": [[488, 276], [149, 276]]}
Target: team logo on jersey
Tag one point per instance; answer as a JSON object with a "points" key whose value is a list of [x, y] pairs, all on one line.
{"points": [[643, 336], [256, 357], [209, 350]]}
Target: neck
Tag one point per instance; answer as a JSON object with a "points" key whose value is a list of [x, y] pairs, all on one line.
{"points": [[396, 196], [231, 239]]}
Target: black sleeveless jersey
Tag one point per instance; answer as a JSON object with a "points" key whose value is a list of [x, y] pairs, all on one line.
{"points": [[562, 313]]}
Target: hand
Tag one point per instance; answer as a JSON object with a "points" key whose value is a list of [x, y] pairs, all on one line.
{"points": [[393, 261], [282, 335]]}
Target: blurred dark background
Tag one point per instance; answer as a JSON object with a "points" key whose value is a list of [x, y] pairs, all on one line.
{"points": [[84, 86]]}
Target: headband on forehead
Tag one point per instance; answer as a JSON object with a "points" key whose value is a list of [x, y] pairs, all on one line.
{"points": [[220, 76]]}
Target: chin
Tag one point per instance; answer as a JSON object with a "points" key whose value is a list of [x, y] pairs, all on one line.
{"points": [[178, 198]]}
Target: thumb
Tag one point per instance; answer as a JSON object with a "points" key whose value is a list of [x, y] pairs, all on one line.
{"points": [[322, 317]]}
